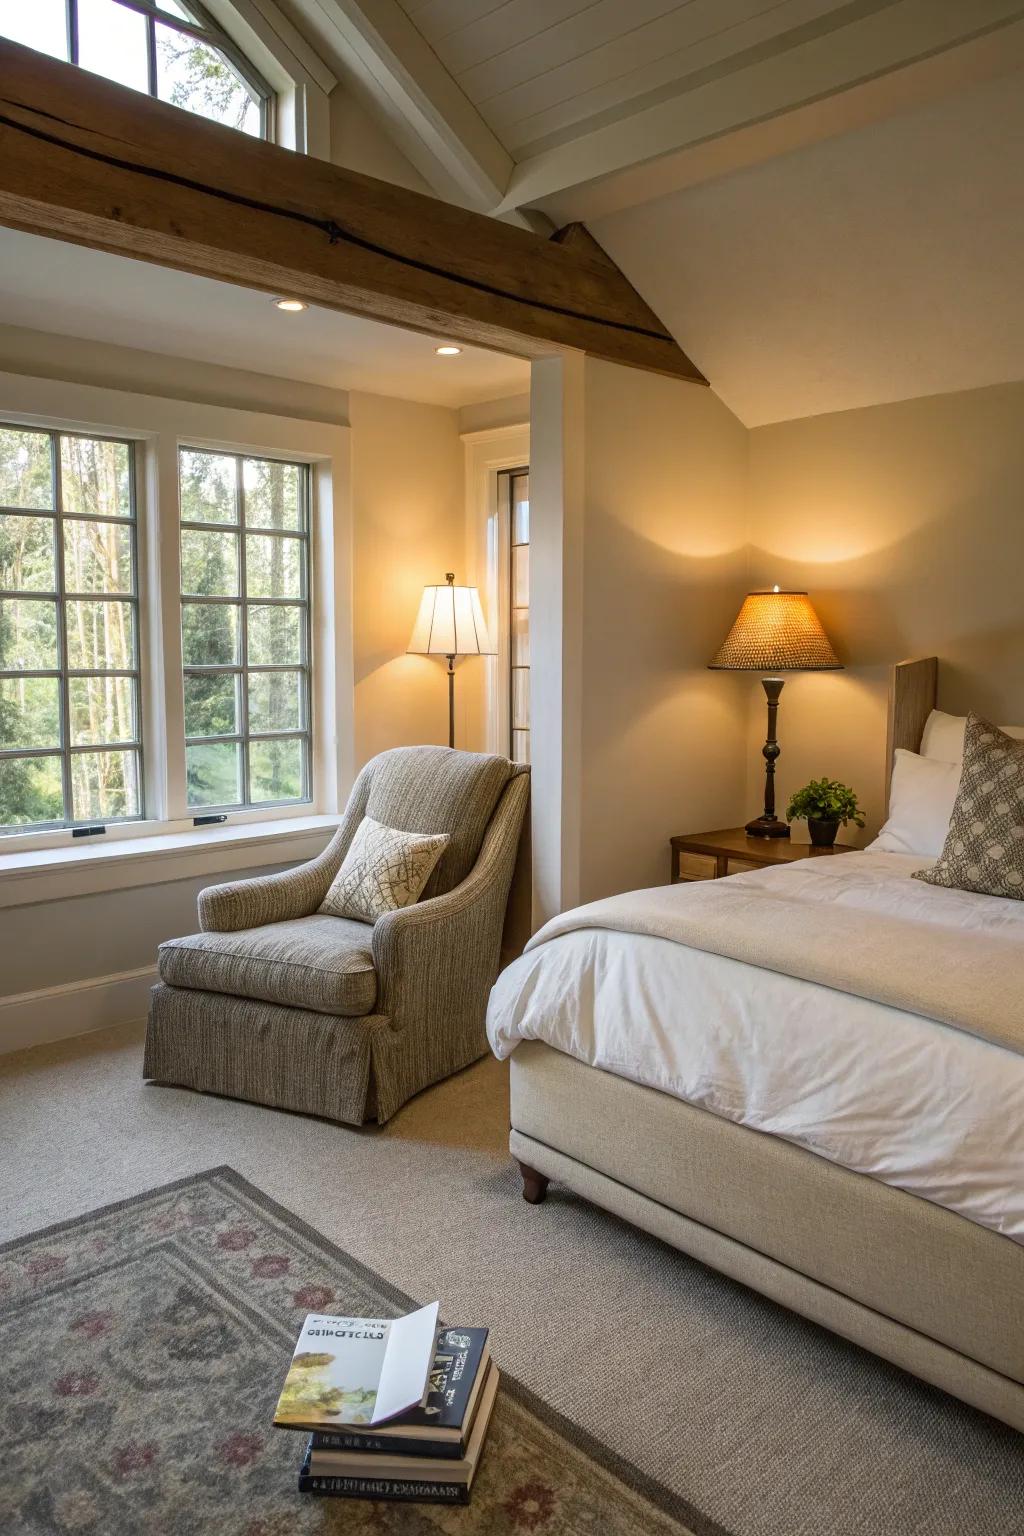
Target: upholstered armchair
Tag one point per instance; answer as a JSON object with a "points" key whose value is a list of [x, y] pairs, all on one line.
{"points": [[280, 1004]]}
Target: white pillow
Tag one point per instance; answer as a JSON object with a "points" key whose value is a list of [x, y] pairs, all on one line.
{"points": [[383, 870], [920, 805], [943, 737]]}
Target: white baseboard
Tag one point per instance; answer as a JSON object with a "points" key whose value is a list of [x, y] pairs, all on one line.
{"points": [[75, 1008]]}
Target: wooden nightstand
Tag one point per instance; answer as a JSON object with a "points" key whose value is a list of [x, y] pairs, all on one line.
{"points": [[710, 855]]}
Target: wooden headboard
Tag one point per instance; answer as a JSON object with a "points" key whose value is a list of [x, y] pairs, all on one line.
{"points": [[913, 690]]}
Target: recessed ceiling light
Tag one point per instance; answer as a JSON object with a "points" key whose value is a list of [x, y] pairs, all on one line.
{"points": [[448, 350], [291, 306]]}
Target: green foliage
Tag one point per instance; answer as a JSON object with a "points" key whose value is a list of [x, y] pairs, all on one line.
{"points": [[196, 77], [825, 800]]}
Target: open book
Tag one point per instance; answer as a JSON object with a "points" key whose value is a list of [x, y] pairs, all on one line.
{"points": [[357, 1370]]}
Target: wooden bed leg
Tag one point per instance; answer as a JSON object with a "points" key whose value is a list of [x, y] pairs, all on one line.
{"points": [[535, 1185]]}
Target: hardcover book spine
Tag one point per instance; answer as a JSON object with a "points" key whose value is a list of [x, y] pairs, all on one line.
{"points": [[338, 1440], [384, 1488]]}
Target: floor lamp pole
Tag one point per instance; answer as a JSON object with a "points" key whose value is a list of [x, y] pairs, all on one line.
{"points": [[451, 701]]}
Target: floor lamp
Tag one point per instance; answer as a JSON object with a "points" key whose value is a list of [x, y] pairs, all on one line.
{"points": [[450, 623], [775, 632]]}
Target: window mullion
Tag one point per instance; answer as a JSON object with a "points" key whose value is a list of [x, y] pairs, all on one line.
{"points": [[243, 630], [63, 659]]}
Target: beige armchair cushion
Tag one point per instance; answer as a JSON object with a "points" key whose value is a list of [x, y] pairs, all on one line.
{"points": [[321, 963]]}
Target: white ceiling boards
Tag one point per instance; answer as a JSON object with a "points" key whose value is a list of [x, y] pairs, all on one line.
{"points": [[542, 71]]}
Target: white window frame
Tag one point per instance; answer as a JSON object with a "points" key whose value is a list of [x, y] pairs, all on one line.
{"points": [[489, 454], [159, 427]]}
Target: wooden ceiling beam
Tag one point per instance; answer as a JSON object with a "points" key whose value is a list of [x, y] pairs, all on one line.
{"points": [[94, 163]]}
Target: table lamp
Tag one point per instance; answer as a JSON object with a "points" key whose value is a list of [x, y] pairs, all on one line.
{"points": [[450, 623], [775, 632]]}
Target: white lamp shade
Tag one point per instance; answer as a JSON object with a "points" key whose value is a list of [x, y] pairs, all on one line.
{"points": [[450, 623]]}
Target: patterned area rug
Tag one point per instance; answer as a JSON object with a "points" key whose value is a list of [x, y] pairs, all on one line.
{"points": [[143, 1347]]}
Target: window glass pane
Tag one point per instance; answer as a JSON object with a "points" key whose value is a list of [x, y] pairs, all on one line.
{"points": [[28, 634], [38, 24], [105, 785], [26, 479], [31, 790], [26, 553], [95, 477], [209, 634], [192, 75], [101, 636], [211, 704], [29, 712], [521, 576], [274, 494], [207, 487], [520, 637], [276, 701], [209, 563], [273, 567], [520, 509], [275, 635], [112, 42], [97, 557], [275, 770], [102, 710], [520, 698], [213, 771]]}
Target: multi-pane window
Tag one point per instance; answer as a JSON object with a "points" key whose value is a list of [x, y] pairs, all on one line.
{"points": [[70, 720], [518, 482], [245, 629], [171, 49]]}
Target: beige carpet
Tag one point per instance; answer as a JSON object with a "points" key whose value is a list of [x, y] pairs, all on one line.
{"points": [[767, 1424]]}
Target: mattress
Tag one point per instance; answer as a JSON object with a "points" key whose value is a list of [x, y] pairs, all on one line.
{"points": [[914, 1103]]}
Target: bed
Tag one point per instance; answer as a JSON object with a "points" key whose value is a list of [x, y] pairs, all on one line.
{"points": [[851, 1157]]}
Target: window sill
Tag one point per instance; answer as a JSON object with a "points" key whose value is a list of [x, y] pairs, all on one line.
{"points": [[50, 874]]}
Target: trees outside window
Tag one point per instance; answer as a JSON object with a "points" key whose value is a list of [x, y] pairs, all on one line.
{"points": [[171, 49], [70, 715], [245, 629]]}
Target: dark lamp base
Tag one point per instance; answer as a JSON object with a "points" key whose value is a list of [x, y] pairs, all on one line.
{"points": [[766, 826]]}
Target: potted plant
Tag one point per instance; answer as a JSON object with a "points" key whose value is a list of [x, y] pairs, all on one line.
{"points": [[825, 805]]}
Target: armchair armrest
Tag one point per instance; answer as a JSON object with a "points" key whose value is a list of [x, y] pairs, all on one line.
{"points": [[442, 945], [288, 894]]}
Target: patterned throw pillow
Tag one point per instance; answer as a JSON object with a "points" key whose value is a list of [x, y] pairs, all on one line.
{"points": [[984, 848], [383, 870]]}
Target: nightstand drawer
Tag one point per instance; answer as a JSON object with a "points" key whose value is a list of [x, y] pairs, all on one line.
{"points": [[697, 866], [740, 866]]}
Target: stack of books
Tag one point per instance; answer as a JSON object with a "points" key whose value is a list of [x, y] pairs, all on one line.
{"points": [[381, 1426]]}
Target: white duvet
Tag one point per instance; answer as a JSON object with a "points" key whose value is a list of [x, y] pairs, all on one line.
{"points": [[917, 1104]]}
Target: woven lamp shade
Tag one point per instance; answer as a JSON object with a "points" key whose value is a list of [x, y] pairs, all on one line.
{"points": [[776, 632]]}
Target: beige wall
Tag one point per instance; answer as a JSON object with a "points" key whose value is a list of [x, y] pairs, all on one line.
{"points": [[409, 529], [904, 522], [664, 566]]}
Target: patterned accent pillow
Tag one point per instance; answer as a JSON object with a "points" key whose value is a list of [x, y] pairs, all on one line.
{"points": [[383, 870], [984, 848]]}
